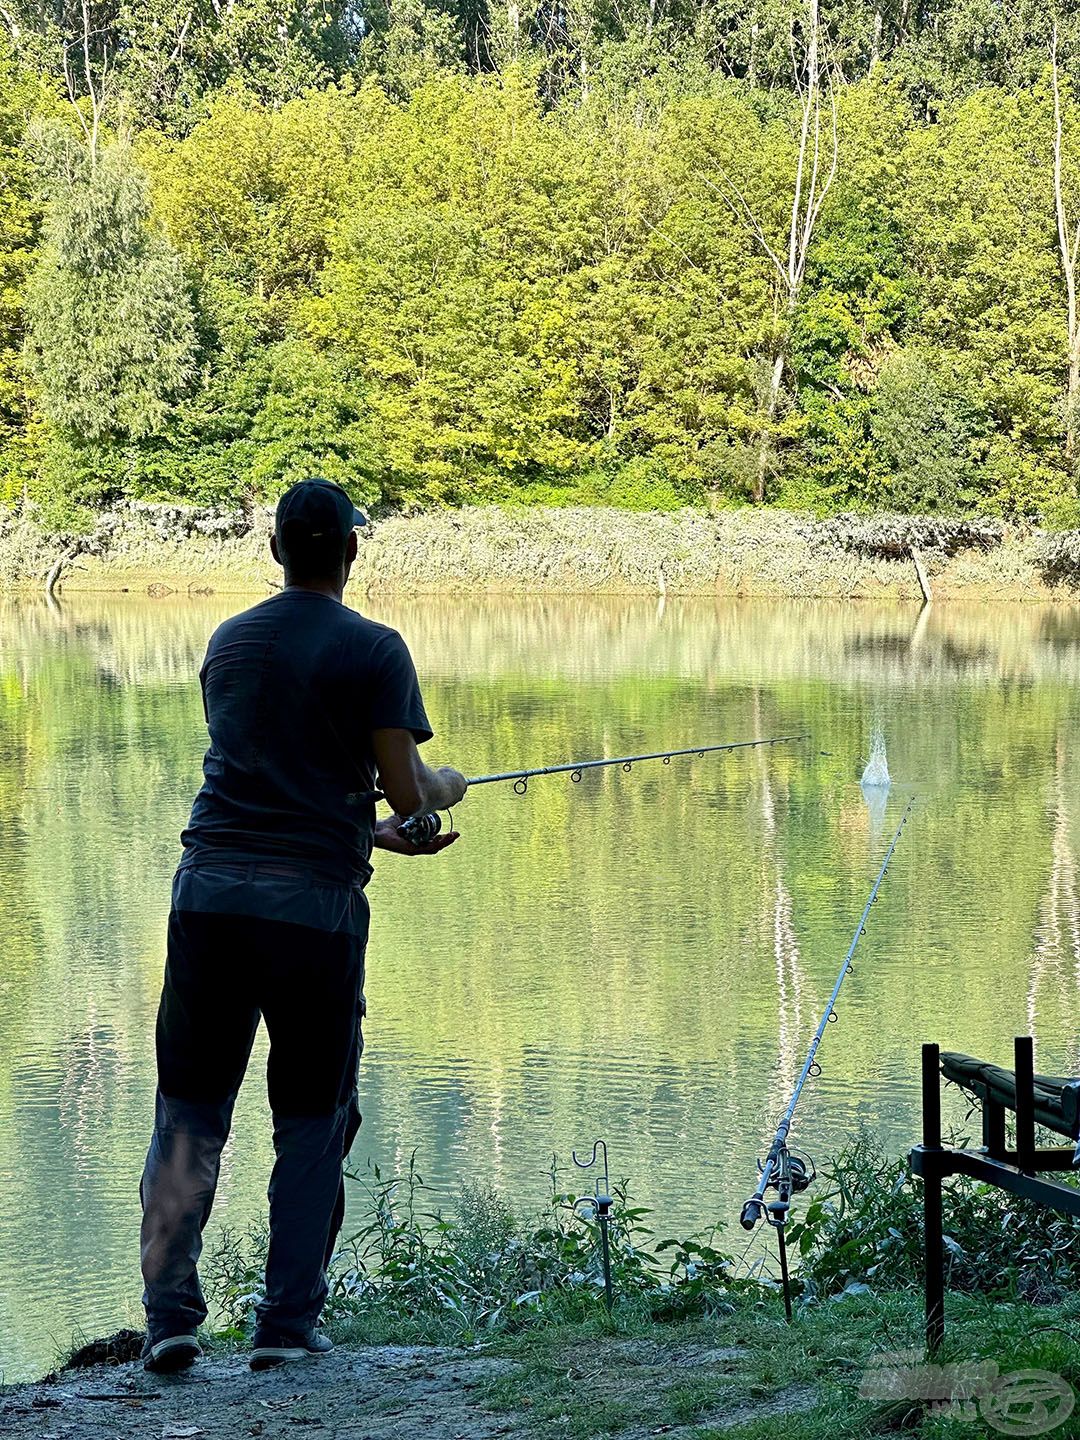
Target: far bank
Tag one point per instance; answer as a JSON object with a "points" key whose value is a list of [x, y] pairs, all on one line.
{"points": [[167, 549]]}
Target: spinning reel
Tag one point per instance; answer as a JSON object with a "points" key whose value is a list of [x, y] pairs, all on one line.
{"points": [[788, 1175], [421, 829]]}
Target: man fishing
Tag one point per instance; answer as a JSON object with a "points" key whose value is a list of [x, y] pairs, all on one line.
{"points": [[306, 702]]}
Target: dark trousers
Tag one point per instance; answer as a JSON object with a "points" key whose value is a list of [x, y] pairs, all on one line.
{"points": [[222, 973]]}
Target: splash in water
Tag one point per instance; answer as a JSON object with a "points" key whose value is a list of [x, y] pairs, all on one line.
{"points": [[876, 775]]}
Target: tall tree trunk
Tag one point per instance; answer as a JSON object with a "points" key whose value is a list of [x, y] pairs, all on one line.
{"points": [[816, 161], [1069, 248], [771, 406]]}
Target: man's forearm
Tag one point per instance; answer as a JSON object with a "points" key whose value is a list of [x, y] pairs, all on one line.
{"points": [[424, 791], [412, 787]]}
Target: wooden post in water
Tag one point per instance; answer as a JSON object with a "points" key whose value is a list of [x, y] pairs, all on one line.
{"points": [[920, 571]]}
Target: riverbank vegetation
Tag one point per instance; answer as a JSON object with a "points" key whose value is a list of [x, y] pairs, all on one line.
{"points": [[419, 1271], [167, 549], [852, 1363], [646, 256], [483, 1323]]}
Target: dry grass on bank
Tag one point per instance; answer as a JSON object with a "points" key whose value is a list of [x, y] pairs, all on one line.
{"points": [[170, 549]]}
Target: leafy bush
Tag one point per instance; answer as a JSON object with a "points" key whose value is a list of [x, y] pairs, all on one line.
{"points": [[234, 1275], [1059, 556], [1063, 513], [639, 484], [892, 537], [866, 1231], [926, 431]]}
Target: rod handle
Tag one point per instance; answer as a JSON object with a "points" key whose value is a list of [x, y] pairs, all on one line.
{"points": [[752, 1212]]}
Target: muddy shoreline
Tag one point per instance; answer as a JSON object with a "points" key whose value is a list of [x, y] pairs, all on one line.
{"points": [[398, 1392], [165, 550], [678, 1384]]}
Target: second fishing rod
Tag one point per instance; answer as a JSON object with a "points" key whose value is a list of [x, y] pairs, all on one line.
{"points": [[422, 829], [783, 1171]]}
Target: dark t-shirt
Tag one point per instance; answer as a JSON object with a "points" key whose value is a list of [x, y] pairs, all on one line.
{"points": [[292, 690]]}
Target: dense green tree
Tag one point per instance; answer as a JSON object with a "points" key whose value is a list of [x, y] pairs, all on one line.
{"points": [[20, 95], [112, 338], [252, 431], [926, 438], [251, 198], [156, 61], [977, 209]]}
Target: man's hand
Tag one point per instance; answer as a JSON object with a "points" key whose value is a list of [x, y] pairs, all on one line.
{"points": [[455, 785], [388, 836]]}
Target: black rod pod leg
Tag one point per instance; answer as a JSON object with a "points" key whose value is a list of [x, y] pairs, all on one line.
{"points": [[603, 1215], [933, 1244], [1024, 1063]]}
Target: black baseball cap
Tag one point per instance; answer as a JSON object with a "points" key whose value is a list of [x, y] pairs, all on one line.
{"points": [[316, 511]]}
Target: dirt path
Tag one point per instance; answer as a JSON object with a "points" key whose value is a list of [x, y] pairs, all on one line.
{"points": [[359, 1394], [399, 1393]]}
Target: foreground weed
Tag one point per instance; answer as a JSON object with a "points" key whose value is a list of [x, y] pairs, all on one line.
{"points": [[410, 1269], [865, 1230]]}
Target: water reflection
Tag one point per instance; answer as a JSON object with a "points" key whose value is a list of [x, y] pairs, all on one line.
{"points": [[1054, 979], [641, 957]]}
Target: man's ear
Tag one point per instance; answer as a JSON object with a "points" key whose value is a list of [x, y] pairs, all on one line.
{"points": [[274, 550], [350, 548]]}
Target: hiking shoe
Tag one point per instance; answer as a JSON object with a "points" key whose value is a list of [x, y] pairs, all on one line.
{"points": [[278, 1347], [175, 1352]]}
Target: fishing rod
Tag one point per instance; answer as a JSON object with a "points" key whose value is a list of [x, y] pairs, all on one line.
{"points": [[782, 1171], [422, 829]]}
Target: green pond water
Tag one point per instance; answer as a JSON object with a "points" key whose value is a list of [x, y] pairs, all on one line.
{"points": [[641, 957]]}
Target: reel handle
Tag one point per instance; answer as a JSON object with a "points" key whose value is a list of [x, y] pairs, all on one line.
{"points": [[421, 829]]}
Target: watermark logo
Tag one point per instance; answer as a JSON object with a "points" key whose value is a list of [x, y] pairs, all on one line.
{"points": [[1023, 1402]]}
